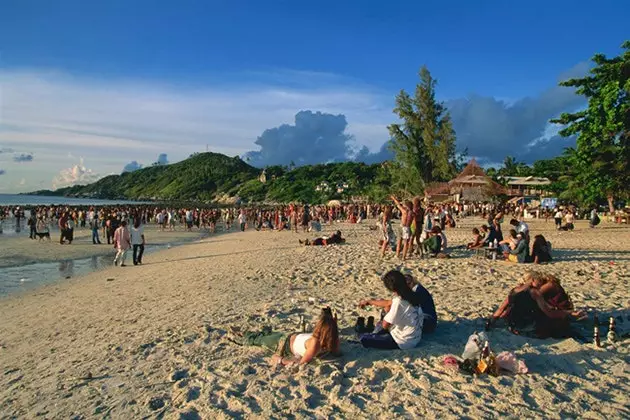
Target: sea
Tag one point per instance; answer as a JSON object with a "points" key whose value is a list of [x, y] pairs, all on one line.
{"points": [[41, 200], [19, 278]]}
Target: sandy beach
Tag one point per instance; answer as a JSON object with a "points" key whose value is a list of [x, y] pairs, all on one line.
{"points": [[149, 341]]}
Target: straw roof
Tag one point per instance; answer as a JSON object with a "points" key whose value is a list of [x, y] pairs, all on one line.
{"points": [[527, 180]]}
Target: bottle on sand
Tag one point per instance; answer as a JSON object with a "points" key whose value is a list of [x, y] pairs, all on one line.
{"points": [[612, 331], [596, 331]]}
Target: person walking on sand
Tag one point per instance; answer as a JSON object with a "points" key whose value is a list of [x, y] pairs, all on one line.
{"points": [[122, 242]]}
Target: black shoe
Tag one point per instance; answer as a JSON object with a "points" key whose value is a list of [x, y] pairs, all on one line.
{"points": [[370, 324], [360, 325]]}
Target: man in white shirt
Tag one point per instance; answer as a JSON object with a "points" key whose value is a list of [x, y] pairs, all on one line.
{"points": [[521, 227], [137, 241], [242, 220]]}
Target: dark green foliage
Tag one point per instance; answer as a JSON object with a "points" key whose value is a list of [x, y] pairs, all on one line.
{"points": [[601, 160], [424, 142]]}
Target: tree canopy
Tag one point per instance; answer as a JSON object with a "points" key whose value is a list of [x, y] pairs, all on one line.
{"points": [[424, 142], [600, 161]]}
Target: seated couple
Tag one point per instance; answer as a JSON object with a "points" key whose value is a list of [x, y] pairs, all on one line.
{"points": [[516, 249], [539, 307], [335, 238], [294, 349], [409, 312]]}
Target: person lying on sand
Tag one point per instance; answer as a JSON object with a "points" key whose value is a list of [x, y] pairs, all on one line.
{"points": [[334, 239], [540, 307], [403, 322], [293, 349]]}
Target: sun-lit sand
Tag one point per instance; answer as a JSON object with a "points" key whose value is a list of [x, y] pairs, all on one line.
{"points": [[145, 341]]}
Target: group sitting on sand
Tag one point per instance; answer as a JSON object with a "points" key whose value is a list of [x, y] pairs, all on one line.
{"points": [[516, 247], [539, 307]]}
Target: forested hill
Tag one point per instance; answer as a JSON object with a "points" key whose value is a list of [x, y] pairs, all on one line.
{"points": [[211, 177]]}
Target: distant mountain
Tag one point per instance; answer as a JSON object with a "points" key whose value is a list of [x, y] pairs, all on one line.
{"points": [[213, 177]]}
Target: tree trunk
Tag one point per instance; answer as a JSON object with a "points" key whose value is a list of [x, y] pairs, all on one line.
{"points": [[611, 206]]}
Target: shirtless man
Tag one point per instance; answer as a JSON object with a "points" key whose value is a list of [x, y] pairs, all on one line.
{"points": [[418, 219], [406, 217]]}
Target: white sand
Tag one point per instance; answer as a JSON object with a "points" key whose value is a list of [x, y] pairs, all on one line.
{"points": [[131, 329]]}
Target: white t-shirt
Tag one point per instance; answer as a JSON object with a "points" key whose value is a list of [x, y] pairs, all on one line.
{"points": [[522, 228], [406, 320], [242, 218], [136, 235]]}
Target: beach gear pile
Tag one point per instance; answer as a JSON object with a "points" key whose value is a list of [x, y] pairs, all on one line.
{"points": [[479, 359]]}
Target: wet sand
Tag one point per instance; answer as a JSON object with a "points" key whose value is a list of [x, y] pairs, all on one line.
{"points": [[18, 250], [150, 340]]}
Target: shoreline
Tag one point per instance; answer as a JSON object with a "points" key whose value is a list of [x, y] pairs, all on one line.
{"points": [[156, 333]]}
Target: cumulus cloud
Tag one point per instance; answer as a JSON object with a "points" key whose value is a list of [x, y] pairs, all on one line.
{"points": [[2, 172], [315, 137], [23, 181], [162, 159], [492, 129], [383, 154], [76, 175], [106, 115], [132, 166], [23, 157]]}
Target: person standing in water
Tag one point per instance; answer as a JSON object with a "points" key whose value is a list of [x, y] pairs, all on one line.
{"points": [[122, 243]]}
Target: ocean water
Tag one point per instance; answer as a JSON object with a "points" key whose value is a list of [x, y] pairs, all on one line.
{"points": [[35, 200], [20, 278]]}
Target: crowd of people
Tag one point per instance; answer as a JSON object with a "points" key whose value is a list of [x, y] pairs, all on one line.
{"points": [[539, 307]]}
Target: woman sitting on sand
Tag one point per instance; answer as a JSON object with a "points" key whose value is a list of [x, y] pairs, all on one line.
{"points": [[541, 250], [477, 242], [334, 239], [292, 349], [540, 307], [402, 325], [510, 243], [520, 253]]}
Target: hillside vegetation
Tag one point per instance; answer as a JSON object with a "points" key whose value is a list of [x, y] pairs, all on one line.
{"points": [[212, 177]]}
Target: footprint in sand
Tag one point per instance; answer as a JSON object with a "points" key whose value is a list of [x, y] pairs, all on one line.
{"points": [[193, 393]]}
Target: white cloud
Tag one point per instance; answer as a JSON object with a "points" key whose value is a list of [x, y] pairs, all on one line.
{"points": [[76, 175], [59, 116], [23, 181]]}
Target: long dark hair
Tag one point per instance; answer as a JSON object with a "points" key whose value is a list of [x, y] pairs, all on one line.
{"points": [[395, 281], [326, 331]]}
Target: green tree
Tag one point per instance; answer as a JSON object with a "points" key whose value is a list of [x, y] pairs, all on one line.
{"points": [[601, 160], [424, 142]]}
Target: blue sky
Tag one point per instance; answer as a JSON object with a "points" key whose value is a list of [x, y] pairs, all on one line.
{"points": [[88, 87]]}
